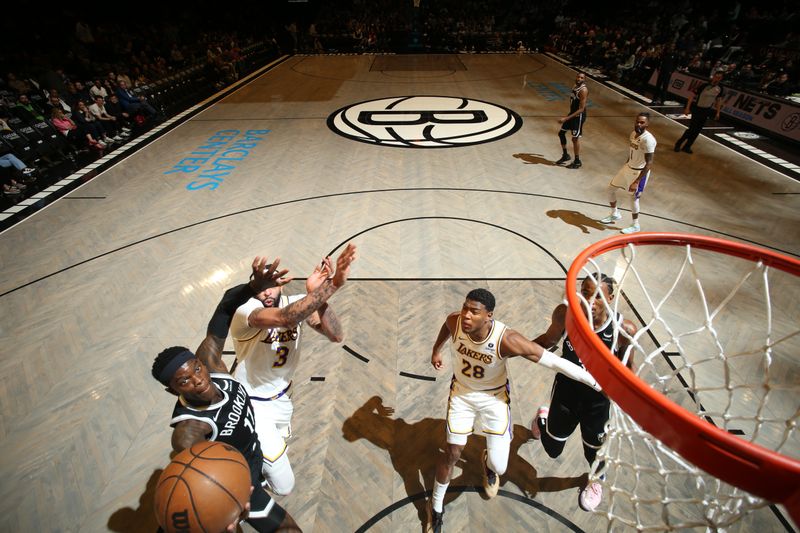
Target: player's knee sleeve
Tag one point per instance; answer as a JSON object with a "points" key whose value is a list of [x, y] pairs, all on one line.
{"points": [[552, 446], [635, 205], [563, 136], [280, 477], [498, 448], [589, 452], [265, 513], [592, 442]]}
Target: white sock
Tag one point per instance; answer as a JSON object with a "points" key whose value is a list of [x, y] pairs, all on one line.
{"points": [[437, 499]]}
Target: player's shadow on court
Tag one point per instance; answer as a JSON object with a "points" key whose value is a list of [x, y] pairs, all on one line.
{"points": [[534, 159], [143, 518], [414, 449], [579, 220]]}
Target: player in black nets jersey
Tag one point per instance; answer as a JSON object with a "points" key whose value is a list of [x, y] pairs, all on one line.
{"points": [[573, 403], [210, 405], [573, 122]]}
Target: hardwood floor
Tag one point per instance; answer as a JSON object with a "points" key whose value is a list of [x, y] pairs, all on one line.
{"points": [[94, 287]]}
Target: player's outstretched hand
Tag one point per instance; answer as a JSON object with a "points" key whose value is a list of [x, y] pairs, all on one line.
{"points": [[343, 263], [266, 274], [322, 272]]}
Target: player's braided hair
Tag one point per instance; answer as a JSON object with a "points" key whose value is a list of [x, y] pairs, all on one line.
{"points": [[482, 296], [608, 281]]}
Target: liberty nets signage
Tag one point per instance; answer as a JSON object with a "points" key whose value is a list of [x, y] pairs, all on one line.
{"points": [[424, 122], [780, 116]]}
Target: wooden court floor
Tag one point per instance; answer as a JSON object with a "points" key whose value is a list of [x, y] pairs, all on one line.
{"points": [[135, 260]]}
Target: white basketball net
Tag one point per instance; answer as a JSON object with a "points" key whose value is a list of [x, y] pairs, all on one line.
{"points": [[724, 347]]}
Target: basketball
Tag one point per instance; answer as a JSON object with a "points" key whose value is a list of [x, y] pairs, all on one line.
{"points": [[204, 488]]}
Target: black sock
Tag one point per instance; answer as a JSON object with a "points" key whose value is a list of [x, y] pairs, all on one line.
{"points": [[565, 153]]}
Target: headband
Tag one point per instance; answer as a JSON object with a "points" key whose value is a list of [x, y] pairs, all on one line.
{"points": [[165, 376]]}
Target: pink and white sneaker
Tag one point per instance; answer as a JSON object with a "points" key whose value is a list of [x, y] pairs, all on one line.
{"points": [[538, 421], [591, 496]]}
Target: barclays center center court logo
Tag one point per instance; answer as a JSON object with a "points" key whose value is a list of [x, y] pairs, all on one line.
{"points": [[424, 122]]}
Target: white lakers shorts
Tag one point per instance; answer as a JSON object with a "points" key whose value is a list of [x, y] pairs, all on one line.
{"points": [[487, 412], [273, 424]]}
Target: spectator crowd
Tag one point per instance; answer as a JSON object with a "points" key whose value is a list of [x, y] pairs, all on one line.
{"points": [[86, 84], [754, 45], [62, 107]]}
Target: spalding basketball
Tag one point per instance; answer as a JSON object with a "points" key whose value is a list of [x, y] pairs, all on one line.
{"points": [[204, 488]]}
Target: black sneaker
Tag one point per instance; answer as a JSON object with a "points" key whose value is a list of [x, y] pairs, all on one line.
{"points": [[435, 520], [687, 149], [678, 146], [564, 159], [575, 164]]}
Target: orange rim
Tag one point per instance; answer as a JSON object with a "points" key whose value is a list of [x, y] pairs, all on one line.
{"points": [[749, 466]]}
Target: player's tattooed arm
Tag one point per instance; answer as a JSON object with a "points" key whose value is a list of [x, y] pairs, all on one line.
{"points": [[296, 312], [188, 433], [324, 320], [328, 323]]}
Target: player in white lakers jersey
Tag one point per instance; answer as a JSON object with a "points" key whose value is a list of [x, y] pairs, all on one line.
{"points": [[635, 173], [480, 392], [266, 337]]}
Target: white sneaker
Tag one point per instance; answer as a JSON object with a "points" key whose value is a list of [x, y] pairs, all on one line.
{"points": [[591, 496], [630, 229], [126, 130], [616, 215], [117, 138]]}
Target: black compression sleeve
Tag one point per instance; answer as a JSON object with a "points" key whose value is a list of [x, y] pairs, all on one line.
{"points": [[220, 321]]}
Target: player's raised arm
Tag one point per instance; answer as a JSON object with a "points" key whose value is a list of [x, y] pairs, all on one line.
{"points": [[296, 312], [324, 320], [515, 344], [263, 276]]}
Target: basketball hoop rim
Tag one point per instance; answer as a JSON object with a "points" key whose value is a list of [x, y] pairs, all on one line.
{"points": [[749, 466]]}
